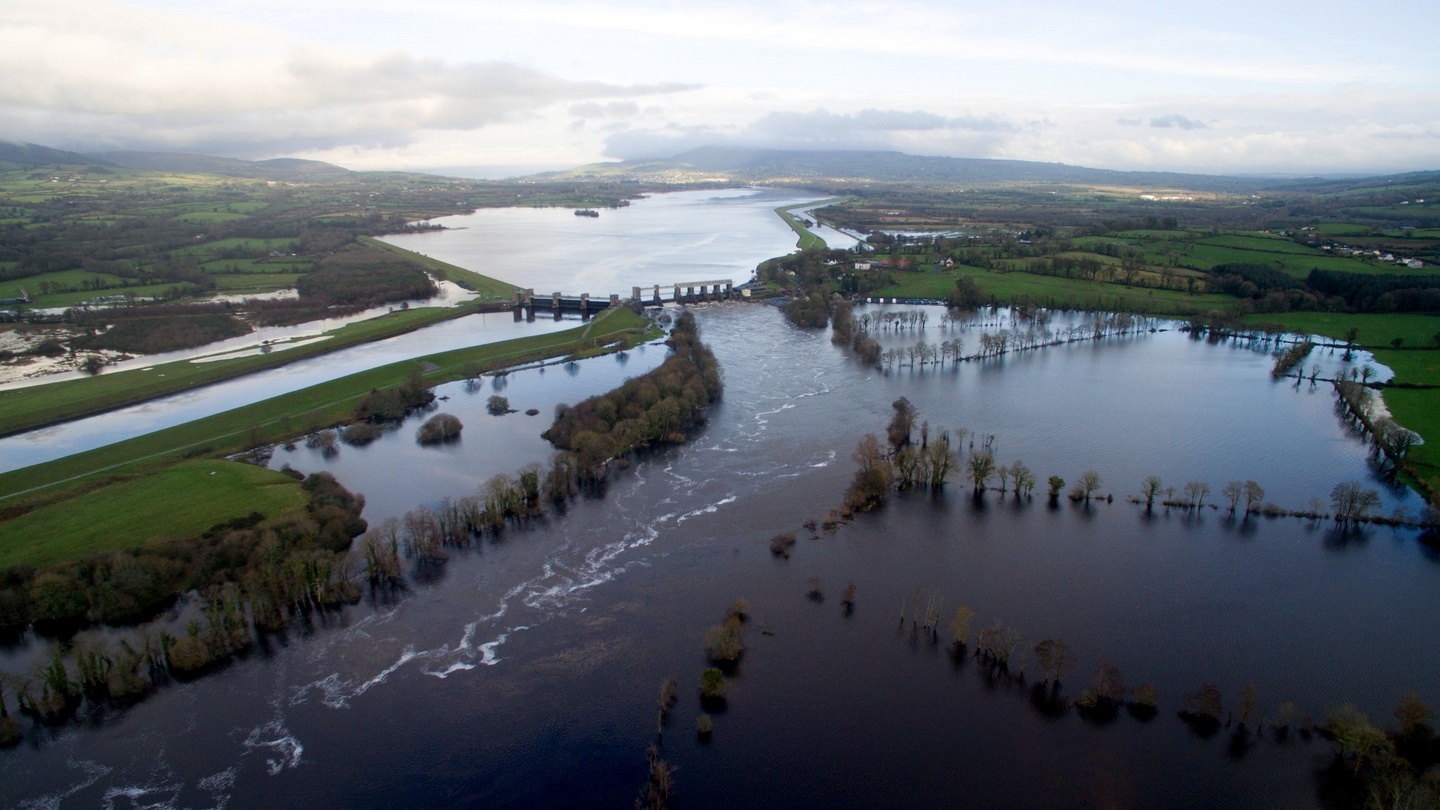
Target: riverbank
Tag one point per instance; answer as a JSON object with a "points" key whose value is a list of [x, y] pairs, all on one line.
{"points": [[24, 409], [1406, 344], [808, 239], [287, 417]]}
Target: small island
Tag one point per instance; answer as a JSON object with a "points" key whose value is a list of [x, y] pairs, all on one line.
{"points": [[586, 212]]}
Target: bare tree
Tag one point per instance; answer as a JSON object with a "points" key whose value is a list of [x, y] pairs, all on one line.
{"points": [[1089, 482], [1150, 488], [1254, 496], [1055, 656], [981, 467], [960, 625], [1232, 492]]}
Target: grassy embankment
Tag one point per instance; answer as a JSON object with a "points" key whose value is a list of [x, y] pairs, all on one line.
{"points": [[29, 408], [808, 240], [85, 483]]}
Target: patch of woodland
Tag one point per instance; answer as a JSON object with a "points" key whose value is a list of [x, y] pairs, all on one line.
{"points": [[655, 409], [157, 328], [358, 277]]}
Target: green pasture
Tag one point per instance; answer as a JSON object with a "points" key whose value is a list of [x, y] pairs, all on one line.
{"points": [[267, 265], [211, 217], [1298, 265], [241, 242], [254, 282], [1053, 291], [72, 278], [1372, 331], [183, 500], [1264, 242]]}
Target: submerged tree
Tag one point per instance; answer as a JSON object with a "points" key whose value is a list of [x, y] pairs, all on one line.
{"points": [[1056, 483], [1054, 657], [1351, 502], [1254, 496], [960, 625], [903, 421], [1232, 492], [981, 468], [1149, 489], [438, 429]]}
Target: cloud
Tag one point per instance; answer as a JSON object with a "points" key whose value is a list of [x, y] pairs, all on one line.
{"points": [[87, 71], [1178, 121], [613, 109], [869, 129]]}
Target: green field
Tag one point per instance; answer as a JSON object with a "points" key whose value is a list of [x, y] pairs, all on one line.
{"points": [[211, 217], [1372, 331], [11, 289], [1419, 410], [238, 242], [1262, 242], [183, 500], [286, 265], [302, 411], [1055, 291], [1299, 265], [254, 282], [69, 278]]}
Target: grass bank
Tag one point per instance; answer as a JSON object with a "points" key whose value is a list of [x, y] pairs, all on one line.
{"points": [[808, 240], [293, 414], [182, 500]]}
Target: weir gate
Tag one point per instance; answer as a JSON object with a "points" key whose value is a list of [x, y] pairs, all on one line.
{"points": [[685, 292]]}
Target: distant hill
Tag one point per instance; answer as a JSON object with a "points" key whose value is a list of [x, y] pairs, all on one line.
{"points": [[30, 156], [798, 167], [287, 169]]}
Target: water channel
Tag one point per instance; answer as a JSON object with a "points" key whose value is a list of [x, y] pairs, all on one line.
{"points": [[526, 673]]}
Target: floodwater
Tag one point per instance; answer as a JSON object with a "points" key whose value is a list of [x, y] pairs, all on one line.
{"points": [[526, 673], [687, 236]]}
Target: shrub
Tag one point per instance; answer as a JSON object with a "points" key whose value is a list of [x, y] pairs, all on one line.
{"points": [[704, 725], [442, 427], [361, 433], [723, 643], [497, 405], [712, 683], [781, 544]]}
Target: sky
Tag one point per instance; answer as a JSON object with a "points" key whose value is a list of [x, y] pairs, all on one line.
{"points": [[490, 89]]}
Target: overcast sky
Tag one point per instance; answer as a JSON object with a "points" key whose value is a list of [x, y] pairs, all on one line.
{"points": [[500, 88]]}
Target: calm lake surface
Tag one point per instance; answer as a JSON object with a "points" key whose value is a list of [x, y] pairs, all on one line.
{"points": [[526, 673]]}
